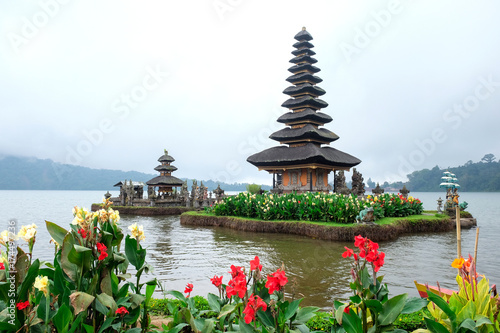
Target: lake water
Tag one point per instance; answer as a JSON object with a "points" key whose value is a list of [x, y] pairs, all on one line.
{"points": [[316, 270]]}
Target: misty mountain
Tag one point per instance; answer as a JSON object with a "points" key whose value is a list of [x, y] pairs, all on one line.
{"points": [[29, 173]]}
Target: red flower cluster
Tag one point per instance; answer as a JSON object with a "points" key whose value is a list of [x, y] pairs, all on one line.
{"points": [[22, 305], [2, 266], [189, 289], [254, 304], [83, 233], [255, 264], [102, 248], [237, 286], [216, 281], [367, 250], [122, 311], [276, 281]]}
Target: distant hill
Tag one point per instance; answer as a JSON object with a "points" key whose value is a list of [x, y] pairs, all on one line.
{"points": [[26, 173], [482, 176]]}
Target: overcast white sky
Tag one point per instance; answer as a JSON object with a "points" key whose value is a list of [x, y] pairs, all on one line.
{"points": [[110, 84]]}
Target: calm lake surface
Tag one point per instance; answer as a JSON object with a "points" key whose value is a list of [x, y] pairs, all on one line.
{"points": [[316, 270]]}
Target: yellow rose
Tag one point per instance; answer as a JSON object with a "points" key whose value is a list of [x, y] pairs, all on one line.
{"points": [[41, 283]]}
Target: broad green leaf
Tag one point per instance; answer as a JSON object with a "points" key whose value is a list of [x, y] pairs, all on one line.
{"points": [[177, 328], [226, 309], [435, 327], [391, 309], [292, 309], [414, 304], [106, 324], [208, 327], [58, 233], [71, 269], [177, 294], [136, 300], [213, 302], [468, 324], [63, 318], [351, 323], [150, 288], [8, 327], [441, 303], [22, 266], [134, 255], [266, 318], [134, 330], [374, 304], [80, 301], [467, 312], [482, 320], [108, 301], [304, 314]]}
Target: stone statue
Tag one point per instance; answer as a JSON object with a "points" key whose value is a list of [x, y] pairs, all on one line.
{"points": [[339, 181], [404, 192], [358, 187], [378, 190], [219, 193]]}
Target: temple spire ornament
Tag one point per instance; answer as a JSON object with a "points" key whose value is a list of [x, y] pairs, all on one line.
{"points": [[302, 162]]}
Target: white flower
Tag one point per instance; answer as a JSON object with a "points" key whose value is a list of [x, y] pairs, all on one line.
{"points": [[137, 232]]}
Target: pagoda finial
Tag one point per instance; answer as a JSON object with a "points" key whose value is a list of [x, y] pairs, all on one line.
{"points": [[166, 151], [303, 28]]}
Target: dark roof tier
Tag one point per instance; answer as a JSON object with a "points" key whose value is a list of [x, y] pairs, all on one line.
{"points": [[310, 153], [303, 67], [165, 181], [303, 51], [304, 116], [167, 168], [304, 102], [303, 89], [296, 79], [306, 133], [166, 158], [303, 59], [302, 44], [303, 35]]}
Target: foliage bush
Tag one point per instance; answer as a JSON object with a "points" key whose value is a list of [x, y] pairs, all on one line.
{"points": [[315, 206], [253, 188]]}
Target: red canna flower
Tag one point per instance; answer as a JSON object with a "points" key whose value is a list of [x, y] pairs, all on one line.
{"points": [[299, 201], [254, 304], [189, 289], [359, 241], [102, 248], [255, 264], [2, 266], [83, 233], [237, 286], [22, 305], [349, 252], [236, 271], [276, 281], [346, 309], [216, 281], [122, 311]]}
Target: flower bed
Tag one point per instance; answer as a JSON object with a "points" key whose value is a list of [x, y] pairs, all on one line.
{"points": [[315, 206]]}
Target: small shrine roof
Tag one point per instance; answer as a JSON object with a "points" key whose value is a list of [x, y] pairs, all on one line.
{"points": [[303, 51], [168, 168], [302, 44], [166, 157], [303, 58], [301, 67], [136, 184], [165, 180]]}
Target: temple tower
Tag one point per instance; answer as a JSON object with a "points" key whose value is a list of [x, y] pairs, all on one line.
{"points": [[165, 182], [302, 163]]}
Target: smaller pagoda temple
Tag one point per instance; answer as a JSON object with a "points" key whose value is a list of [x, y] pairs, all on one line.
{"points": [[164, 184], [302, 162]]}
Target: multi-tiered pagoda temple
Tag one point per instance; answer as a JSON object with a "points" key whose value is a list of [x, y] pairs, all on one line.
{"points": [[302, 163], [165, 182]]}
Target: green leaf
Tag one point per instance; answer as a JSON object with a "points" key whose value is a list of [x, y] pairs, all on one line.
{"points": [[134, 330], [374, 304], [482, 320], [108, 301], [150, 288], [178, 295], [351, 323], [63, 318], [441, 303], [71, 269], [468, 324], [80, 301], [304, 314], [28, 281], [88, 328], [178, 328], [136, 300], [435, 327], [414, 304], [208, 327], [106, 324], [135, 256], [8, 327], [266, 318], [391, 309], [22, 265], [292, 308], [213, 302], [58, 233], [226, 309]]}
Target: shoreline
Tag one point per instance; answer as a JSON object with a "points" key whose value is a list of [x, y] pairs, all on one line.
{"points": [[374, 231], [145, 211]]}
